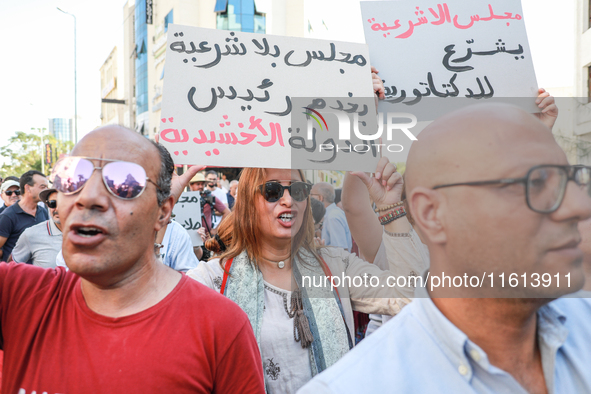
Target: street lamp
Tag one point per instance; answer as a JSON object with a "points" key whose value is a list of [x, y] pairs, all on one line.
{"points": [[42, 147], [75, 84]]}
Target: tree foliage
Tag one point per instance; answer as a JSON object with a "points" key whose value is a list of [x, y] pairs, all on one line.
{"points": [[23, 153]]}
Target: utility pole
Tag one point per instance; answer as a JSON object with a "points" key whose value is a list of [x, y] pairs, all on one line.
{"points": [[42, 147], [75, 82]]}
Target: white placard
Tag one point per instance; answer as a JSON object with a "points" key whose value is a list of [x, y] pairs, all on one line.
{"points": [[429, 52], [187, 213], [227, 97]]}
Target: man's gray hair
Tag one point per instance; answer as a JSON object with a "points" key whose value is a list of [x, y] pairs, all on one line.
{"points": [[326, 190], [165, 174], [234, 182]]}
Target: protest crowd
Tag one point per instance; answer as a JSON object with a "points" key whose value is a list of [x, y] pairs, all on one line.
{"points": [[300, 287]]}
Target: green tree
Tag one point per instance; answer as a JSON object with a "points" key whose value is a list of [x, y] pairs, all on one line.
{"points": [[23, 153]]}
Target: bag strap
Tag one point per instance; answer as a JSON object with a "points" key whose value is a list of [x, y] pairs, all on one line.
{"points": [[226, 271]]}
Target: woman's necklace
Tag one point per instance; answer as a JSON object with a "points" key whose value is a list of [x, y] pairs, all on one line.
{"points": [[280, 264]]}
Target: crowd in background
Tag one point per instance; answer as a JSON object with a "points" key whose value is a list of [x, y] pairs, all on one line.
{"points": [[35, 204], [262, 329]]}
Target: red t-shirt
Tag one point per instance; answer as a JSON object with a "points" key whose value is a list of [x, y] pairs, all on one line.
{"points": [[193, 341]]}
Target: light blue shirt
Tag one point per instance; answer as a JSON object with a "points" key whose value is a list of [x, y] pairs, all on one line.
{"points": [[335, 230], [177, 252], [421, 351]]}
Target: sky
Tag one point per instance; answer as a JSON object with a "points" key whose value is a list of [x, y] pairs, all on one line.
{"points": [[38, 60], [38, 52]]}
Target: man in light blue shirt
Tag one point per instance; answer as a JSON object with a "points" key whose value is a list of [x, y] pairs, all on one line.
{"points": [[177, 251], [421, 351], [335, 230], [492, 197]]}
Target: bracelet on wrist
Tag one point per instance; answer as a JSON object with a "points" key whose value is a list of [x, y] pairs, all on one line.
{"points": [[397, 234], [387, 207], [392, 215]]}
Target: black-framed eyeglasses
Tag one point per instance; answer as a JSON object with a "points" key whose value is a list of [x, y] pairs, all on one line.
{"points": [[51, 204], [273, 191], [16, 192], [545, 185]]}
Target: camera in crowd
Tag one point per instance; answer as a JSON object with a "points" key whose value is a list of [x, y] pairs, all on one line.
{"points": [[207, 198]]}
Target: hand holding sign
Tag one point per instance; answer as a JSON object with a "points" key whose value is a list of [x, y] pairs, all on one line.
{"points": [[549, 109], [378, 84]]}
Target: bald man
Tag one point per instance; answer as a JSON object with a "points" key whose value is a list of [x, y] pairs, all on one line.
{"points": [[119, 320], [483, 206]]}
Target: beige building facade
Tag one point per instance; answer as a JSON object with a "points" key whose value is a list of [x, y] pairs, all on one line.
{"points": [[573, 128], [582, 118], [111, 112]]}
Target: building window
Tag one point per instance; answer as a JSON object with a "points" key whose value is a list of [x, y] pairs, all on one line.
{"points": [[168, 19], [239, 15], [141, 61], [61, 129]]}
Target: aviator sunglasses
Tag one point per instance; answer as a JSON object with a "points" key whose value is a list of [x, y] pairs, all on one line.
{"points": [[273, 191], [122, 179], [51, 204], [9, 192]]}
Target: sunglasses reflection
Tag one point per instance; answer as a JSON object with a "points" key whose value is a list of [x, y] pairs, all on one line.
{"points": [[69, 185], [129, 188]]}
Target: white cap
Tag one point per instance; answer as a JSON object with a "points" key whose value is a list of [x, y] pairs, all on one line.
{"points": [[7, 184]]}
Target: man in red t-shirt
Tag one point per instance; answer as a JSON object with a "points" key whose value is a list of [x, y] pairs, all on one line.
{"points": [[119, 321]]}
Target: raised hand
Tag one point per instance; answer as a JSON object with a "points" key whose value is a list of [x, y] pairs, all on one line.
{"points": [[378, 85], [549, 109], [385, 187], [180, 182]]}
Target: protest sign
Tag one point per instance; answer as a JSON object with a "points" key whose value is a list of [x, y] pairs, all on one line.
{"points": [[228, 97], [431, 52], [187, 213]]}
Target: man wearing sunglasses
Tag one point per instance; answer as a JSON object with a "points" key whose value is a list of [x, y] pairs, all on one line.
{"points": [[23, 214], [492, 195], [10, 193], [40, 244], [143, 326]]}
